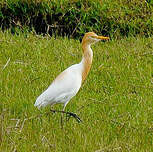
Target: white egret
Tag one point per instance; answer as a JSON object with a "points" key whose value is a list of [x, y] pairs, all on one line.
{"points": [[67, 84]]}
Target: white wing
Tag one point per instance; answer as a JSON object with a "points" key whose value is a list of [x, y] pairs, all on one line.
{"points": [[63, 88]]}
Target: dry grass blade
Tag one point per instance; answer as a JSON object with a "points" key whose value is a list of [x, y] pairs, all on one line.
{"points": [[6, 64]]}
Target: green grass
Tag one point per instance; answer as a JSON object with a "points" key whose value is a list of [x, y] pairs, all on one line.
{"points": [[116, 18], [115, 102]]}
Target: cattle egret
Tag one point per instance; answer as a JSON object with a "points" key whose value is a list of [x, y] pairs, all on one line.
{"points": [[67, 84]]}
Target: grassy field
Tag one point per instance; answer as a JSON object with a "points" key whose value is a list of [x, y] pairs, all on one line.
{"points": [[115, 102]]}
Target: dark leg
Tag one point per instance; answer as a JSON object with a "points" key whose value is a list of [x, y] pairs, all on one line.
{"points": [[70, 114]]}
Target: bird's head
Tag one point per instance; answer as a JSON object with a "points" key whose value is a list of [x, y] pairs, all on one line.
{"points": [[91, 38]]}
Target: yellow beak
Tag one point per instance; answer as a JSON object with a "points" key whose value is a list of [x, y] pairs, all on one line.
{"points": [[101, 37]]}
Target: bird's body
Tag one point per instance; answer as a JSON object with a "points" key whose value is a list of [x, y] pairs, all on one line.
{"points": [[63, 88], [67, 84]]}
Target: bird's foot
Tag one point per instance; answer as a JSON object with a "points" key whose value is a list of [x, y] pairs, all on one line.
{"points": [[70, 114]]}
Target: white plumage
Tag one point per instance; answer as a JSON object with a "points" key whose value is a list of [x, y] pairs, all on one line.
{"points": [[67, 84], [63, 88]]}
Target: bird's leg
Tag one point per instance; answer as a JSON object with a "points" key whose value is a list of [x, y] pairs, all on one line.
{"points": [[74, 116], [62, 115], [69, 114], [51, 108]]}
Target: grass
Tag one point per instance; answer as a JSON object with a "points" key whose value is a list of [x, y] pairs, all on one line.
{"points": [[116, 18], [115, 102]]}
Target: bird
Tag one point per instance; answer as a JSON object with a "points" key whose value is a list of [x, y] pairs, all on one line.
{"points": [[67, 84]]}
